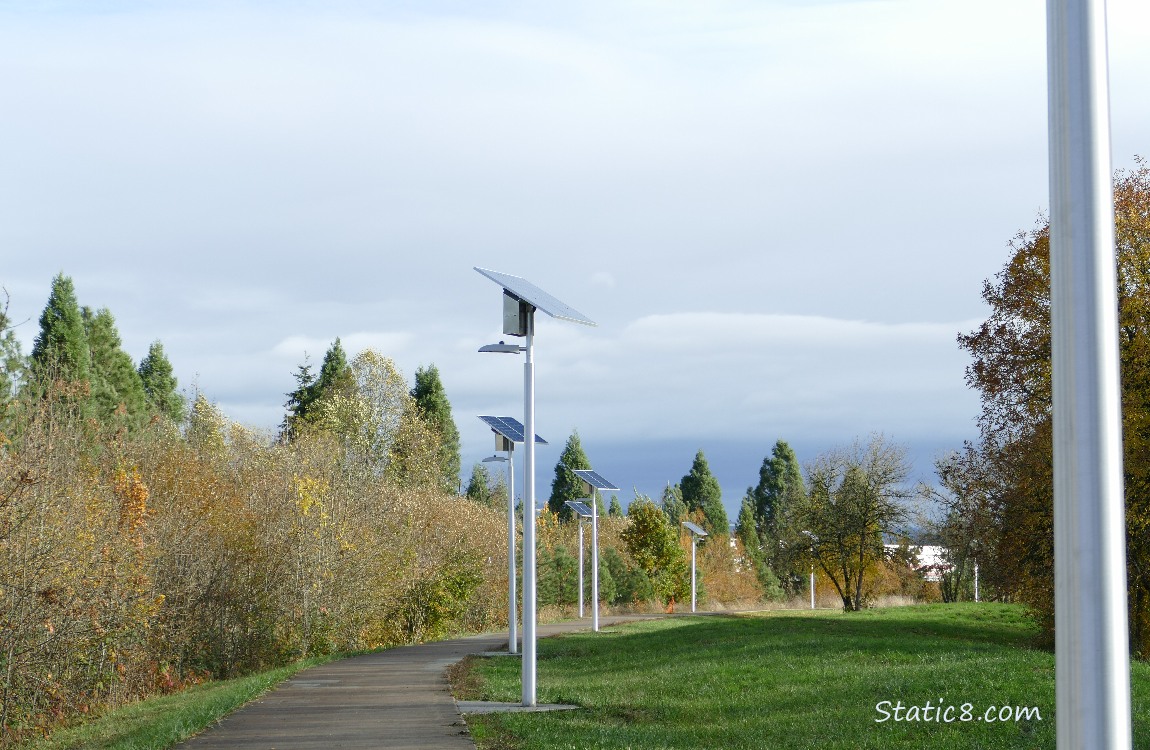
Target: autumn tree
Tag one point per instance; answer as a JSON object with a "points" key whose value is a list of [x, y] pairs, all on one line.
{"points": [[566, 485], [701, 491], [11, 362], [431, 400], [1010, 368], [654, 545], [855, 497]]}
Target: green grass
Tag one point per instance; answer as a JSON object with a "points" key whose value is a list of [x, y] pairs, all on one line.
{"points": [[787, 680], [159, 723]]}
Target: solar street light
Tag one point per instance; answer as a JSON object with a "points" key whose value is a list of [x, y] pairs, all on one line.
{"points": [[593, 482], [585, 514], [509, 431], [697, 533], [813, 540], [521, 299]]}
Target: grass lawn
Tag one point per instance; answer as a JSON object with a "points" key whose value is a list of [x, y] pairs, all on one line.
{"points": [[159, 723], [790, 680]]}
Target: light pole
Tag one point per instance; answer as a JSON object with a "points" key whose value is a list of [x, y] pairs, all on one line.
{"points": [[511, 616], [521, 299], [813, 539], [584, 513], [509, 431], [697, 533], [593, 482], [1091, 646]]}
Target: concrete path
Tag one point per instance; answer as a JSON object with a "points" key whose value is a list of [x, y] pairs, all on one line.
{"points": [[392, 699]]}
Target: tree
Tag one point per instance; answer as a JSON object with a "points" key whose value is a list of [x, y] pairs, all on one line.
{"points": [[335, 378], [746, 530], [566, 486], [701, 491], [431, 400], [11, 361], [486, 489], [673, 506], [780, 484], [856, 496], [654, 545], [160, 383], [616, 510], [116, 386], [61, 348], [1010, 368]]}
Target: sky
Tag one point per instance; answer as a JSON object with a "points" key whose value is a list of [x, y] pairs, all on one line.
{"points": [[779, 213]]}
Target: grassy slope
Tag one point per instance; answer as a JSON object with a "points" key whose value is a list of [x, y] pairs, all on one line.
{"points": [[788, 680], [159, 723]]}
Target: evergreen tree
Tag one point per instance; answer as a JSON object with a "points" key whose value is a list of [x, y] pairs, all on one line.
{"points": [[333, 373], [160, 383], [298, 402], [673, 506], [11, 362], [335, 376], [431, 400], [566, 486], [486, 489], [780, 484], [615, 510], [116, 386], [61, 348], [746, 529], [701, 491]]}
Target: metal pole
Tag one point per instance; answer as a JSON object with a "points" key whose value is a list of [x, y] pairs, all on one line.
{"points": [[976, 582], [1092, 661], [580, 567], [594, 565], [528, 667], [694, 540], [812, 586], [511, 624]]}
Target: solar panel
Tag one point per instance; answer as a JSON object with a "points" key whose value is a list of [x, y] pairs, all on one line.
{"points": [[510, 428], [595, 480], [536, 297], [694, 528], [581, 509]]}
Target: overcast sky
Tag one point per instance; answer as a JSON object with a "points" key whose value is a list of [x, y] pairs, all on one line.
{"points": [[780, 213]]}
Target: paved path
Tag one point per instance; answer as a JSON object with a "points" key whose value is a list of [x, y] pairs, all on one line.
{"points": [[392, 699]]}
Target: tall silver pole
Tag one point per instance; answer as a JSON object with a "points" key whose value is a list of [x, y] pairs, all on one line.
{"points": [[812, 586], [594, 564], [976, 582], [580, 567], [511, 625], [694, 541], [528, 667], [1092, 662]]}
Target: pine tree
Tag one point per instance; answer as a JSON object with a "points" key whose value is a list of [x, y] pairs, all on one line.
{"points": [[61, 348], [673, 506], [160, 383], [485, 489], [566, 486], [701, 491], [335, 376], [116, 386], [616, 509], [780, 484], [431, 400]]}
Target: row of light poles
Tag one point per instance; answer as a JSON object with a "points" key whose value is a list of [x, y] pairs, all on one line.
{"points": [[521, 299]]}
